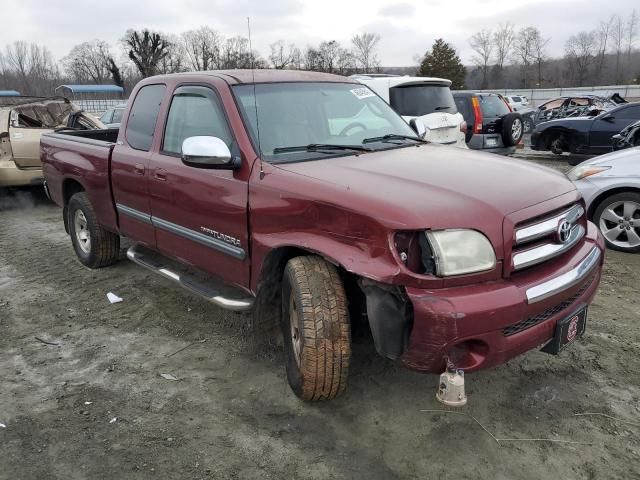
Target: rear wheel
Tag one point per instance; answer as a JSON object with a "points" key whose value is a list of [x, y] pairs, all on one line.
{"points": [[94, 246], [618, 218], [316, 329]]}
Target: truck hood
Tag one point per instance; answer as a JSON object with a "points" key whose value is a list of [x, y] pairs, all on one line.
{"points": [[431, 186]]}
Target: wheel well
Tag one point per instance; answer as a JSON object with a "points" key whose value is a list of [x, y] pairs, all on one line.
{"points": [[598, 200], [270, 281], [553, 134], [69, 188]]}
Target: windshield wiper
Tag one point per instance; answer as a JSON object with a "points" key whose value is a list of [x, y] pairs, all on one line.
{"points": [[442, 108], [316, 147], [393, 136]]}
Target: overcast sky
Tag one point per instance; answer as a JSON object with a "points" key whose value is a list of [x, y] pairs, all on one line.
{"points": [[407, 27]]}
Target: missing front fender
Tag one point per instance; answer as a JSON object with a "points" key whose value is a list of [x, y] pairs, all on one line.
{"points": [[390, 317]]}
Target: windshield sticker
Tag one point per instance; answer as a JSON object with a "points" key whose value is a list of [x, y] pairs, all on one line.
{"points": [[362, 92]]}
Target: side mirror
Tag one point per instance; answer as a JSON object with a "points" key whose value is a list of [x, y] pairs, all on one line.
{"points": [[207, 152], [419, 127], [608, 118]]}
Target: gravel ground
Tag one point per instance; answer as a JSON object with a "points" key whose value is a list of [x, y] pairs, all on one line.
{"points": [[92, 404]]}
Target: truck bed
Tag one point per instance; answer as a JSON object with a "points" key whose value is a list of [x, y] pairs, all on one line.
{"points": [[81, 158]]}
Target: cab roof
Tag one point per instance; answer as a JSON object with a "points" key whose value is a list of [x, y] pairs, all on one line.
{"points": [[265, 76]]}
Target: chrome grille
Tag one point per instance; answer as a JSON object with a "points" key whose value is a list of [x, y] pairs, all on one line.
{"points": [[547, 238], [546, 314]]}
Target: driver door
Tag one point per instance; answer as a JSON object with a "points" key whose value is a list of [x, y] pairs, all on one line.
{"points": [[199, 214]]}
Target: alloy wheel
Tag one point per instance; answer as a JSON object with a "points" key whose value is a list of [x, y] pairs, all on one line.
{"points": [[620, 224]]}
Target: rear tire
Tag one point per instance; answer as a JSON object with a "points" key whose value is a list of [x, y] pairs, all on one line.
{"points": [[316, 329], [94, 246]]}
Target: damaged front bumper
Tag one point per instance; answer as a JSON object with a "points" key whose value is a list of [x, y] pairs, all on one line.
{"points": [[484, 325]]}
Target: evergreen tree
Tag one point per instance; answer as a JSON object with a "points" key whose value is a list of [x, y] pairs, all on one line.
{"points": [[443, 61]]}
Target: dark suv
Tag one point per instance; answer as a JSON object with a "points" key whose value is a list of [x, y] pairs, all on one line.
{"points": [[491, 125]]}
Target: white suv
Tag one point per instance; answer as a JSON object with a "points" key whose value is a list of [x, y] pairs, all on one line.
{"points": [[517, 102], [426, 98]]}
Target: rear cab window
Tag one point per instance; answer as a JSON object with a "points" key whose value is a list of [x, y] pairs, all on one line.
{"points": [[143, 117], [493, 106], [422, 99]]}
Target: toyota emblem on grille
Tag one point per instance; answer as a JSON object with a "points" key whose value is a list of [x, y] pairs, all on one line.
{"points": [[564, 231]]}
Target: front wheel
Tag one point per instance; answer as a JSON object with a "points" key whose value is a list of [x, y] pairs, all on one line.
{"points": [[527, 124], [618, 218], [316, 329], [94, 246]]}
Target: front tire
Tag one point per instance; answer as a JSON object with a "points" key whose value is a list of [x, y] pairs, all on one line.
{"points": [[618, 218], [316, 329], [94, 246]]}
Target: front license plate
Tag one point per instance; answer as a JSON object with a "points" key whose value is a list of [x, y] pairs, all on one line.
{"points": [[567, 330]]}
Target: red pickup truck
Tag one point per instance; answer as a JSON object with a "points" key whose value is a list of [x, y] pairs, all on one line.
{"points": [[306, 199]]}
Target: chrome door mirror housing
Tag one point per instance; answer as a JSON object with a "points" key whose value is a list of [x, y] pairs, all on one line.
{"points": [[207, 152]]}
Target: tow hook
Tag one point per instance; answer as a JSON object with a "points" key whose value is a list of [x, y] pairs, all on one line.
{"points": [[451, 387]]}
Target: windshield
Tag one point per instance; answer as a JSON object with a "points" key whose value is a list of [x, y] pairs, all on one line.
{"points": [[300, 114], [418, 100], [117, 115]]}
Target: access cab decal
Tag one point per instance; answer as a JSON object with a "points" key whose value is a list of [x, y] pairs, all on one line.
{"points": [[221, 236]]}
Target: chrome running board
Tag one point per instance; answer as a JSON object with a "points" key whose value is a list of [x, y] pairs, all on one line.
{"points": [[211, 289]]}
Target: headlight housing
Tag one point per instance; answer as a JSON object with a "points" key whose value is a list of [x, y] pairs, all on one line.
{"points": [[583, 171], [457, 252]]}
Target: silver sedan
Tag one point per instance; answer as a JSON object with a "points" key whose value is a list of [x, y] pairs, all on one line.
{"points": [[610, 185]]}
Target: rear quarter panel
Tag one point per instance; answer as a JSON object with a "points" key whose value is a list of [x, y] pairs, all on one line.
{"points": [[68, 160]]}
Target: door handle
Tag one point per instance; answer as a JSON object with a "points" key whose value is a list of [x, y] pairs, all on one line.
{"points": [[138, 168], [160, 174]]}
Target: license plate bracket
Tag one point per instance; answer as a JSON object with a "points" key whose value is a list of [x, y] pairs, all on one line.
{"points": [[567, 330]]}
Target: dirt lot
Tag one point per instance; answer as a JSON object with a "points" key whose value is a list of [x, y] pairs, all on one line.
{"points": [[93, 404]]}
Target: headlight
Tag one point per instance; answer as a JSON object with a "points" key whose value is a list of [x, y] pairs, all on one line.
{"points": [[583, 171], [457, 252]]}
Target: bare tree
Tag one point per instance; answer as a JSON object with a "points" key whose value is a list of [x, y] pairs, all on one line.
{"points": [[603, 34], [580, 50], [32, 65], [503, 39], [283, 56], [17, 60], [617, 39], [202, 48], [345, 62], [482, 44], [176, 59], [364, 50], [539, 53], [523, 50], [631, 31], [87, 62], [146, 50], [236, 54]]}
